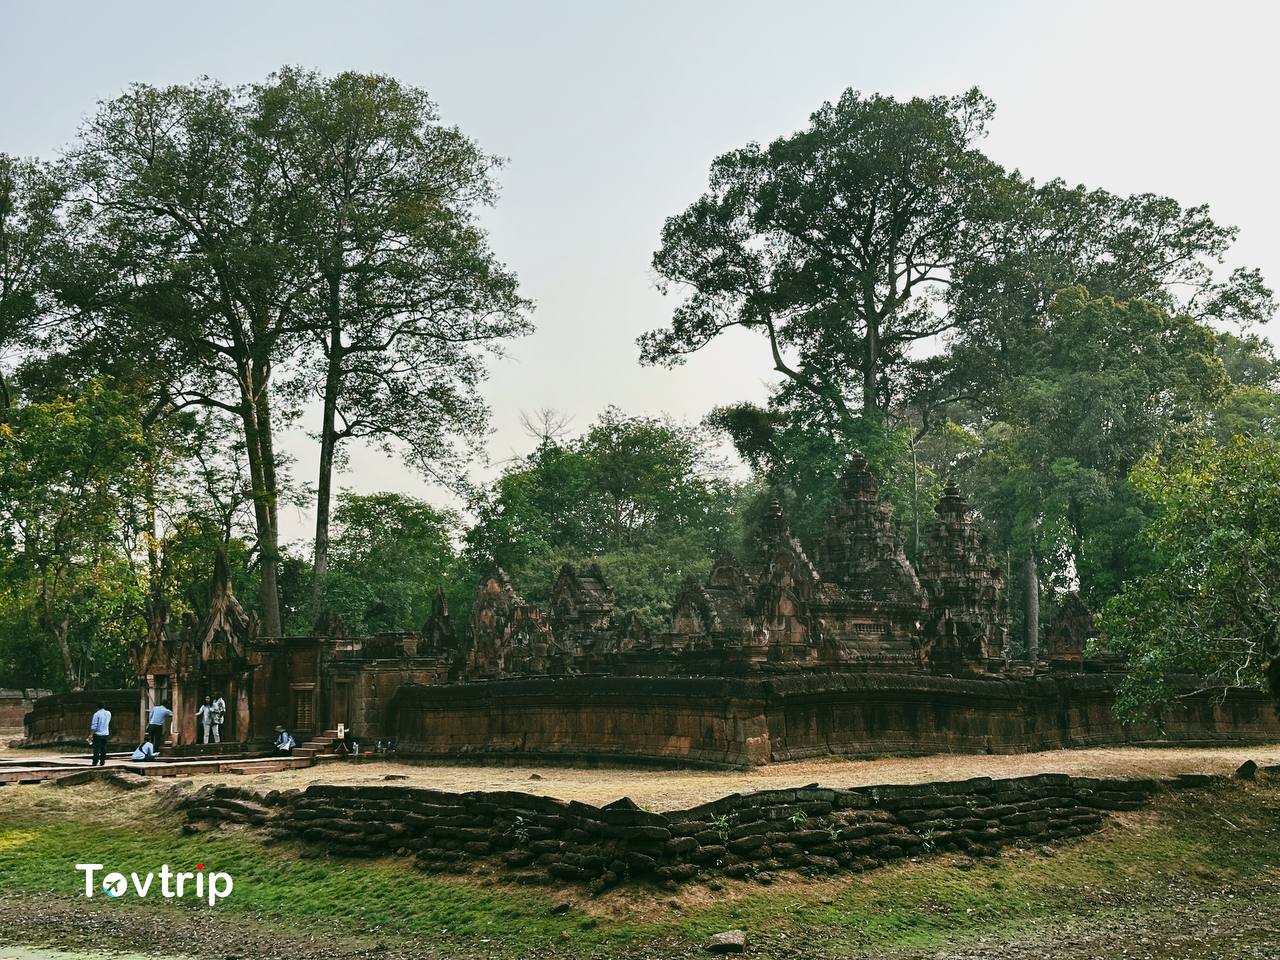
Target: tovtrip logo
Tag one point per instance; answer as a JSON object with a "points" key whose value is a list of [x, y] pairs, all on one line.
{"points": [[211, 885]]}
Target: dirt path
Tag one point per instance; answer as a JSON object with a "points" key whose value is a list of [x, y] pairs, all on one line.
{"points": [[677, 789]]}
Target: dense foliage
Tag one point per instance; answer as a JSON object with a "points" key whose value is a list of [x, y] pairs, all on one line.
{"points": [[1210, 605], [641, 497], [208, 266]]}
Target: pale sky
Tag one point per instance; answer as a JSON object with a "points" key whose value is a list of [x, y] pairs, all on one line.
{"points": [[610, 114]]}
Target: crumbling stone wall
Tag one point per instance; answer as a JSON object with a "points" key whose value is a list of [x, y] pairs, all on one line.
{"points": [[811, 830]]}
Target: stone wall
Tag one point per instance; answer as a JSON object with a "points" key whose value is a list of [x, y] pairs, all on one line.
{"points": [[687, 720], [811, 830], [62, 719], [14, 706], [740, 722]]}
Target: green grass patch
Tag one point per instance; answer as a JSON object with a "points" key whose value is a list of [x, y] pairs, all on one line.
{"points": [[1203, 839]]}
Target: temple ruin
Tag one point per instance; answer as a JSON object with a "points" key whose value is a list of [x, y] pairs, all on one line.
{"points": [[774, 655]]}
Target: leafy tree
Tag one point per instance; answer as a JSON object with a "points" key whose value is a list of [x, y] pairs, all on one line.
{"points": [[68, 470], [1211, 605], [407, 297], [642, 497], [187, 246], [799, 463], [1053, 237], [1103, 383], [30, 231], [390, 552], [1251, 407], [835, 244]]}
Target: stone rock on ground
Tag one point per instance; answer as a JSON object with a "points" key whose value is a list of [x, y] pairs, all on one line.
{"points": [[126, 780], [730, 941], [1247, 770]]}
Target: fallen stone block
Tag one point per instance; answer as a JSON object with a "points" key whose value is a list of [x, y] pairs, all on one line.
{"points": [[730, 941]]}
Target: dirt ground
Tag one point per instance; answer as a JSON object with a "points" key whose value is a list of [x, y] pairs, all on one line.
{"points": [[678, 789]]}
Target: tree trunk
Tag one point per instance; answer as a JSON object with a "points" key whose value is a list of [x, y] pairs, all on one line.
{"points": [[872, 365], [60, 627], [261, 478], [328, 446], [1032, 586], [153, 533], [267, 442]]}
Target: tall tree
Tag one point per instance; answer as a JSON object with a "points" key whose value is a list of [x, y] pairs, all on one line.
{"points": [[192, 237], [835, 244], [1050, 238], [1103, 383], [408, 295], [30, 232]]}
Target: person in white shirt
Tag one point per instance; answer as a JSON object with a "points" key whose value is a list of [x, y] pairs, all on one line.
{"points": [[205, 713], [145, 750], [100, 733], [219, 714], [155, 723]]}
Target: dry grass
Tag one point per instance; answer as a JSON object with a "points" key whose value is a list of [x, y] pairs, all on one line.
{"points": [[677, 789]]}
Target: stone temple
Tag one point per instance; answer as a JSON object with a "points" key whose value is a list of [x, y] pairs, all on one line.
{"points": [[776, 655]]}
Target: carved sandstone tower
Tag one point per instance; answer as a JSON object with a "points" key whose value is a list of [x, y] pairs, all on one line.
{"points": [[968, 621], [883, 603]]}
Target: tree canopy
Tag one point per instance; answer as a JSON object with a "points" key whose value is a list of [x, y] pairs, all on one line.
{"points": [[642, 497]]}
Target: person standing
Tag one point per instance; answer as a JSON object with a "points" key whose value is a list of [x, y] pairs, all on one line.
{"points": [[155, 723], [219, 714], [100, 733], [205, 713]]}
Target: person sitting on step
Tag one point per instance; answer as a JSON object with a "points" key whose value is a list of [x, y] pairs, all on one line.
{"points": [[145, 750], [284, 742]]}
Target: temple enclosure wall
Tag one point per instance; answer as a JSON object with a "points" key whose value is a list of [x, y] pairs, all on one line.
{"points": [[14, 706], [742, 722], [62, 719]]}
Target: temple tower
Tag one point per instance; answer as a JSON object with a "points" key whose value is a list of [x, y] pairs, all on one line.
{"points": [[968, 622], [878, 607]]}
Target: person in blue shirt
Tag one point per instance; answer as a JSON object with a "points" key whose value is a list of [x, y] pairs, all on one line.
{"points": [[145, 750], [284, 742], [155, 723], [100, 730]]}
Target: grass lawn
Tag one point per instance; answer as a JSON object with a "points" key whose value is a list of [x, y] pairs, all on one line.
{"points": [[1191, 843]]}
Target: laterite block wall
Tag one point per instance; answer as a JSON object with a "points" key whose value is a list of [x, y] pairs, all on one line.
{"points": [[812, 830]]}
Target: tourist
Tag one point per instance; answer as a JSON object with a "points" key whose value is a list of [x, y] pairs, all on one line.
{"points": [[155, 723], [219, 713], [284, 742], [347, 746], [205, 713], [145, 750], [100, 728]]}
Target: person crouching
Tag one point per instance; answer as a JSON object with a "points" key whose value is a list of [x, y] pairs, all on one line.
{"points": [[284, 742], [145, 750]]}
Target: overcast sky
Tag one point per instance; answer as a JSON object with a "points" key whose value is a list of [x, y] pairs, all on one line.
{"points": [[610, 114]]}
